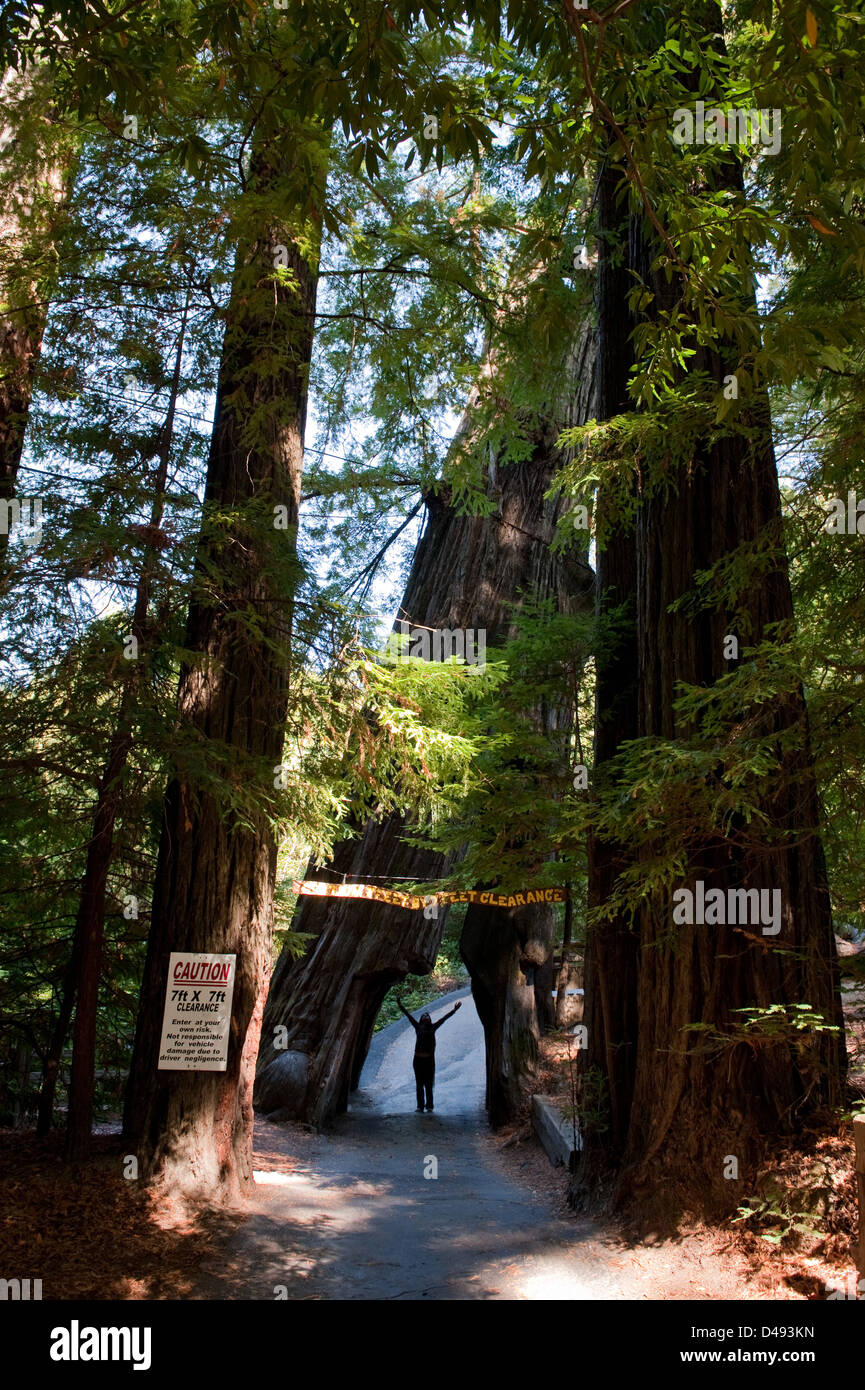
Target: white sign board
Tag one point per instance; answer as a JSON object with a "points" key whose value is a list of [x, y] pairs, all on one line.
{"points": [[197, 1015]]}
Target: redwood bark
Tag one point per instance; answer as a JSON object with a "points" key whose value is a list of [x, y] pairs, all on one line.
{"points": [[677, 1109], [328, 1000], [468, 572], [611, 958], [509, 951], [215, 871], [689, 1109]]}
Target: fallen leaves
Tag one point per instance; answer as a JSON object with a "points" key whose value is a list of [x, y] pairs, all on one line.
{"points": [[88, 1233]]}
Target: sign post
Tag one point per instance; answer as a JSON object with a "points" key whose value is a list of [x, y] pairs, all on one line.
{"points": [[197, 1016]]}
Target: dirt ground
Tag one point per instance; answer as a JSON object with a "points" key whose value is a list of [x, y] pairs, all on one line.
{"points": [[89, 1233], [801, 1266]]}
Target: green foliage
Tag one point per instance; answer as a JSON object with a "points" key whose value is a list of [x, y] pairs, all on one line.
{"points": [[515, 822], [775, 1025], [777, 1210]]}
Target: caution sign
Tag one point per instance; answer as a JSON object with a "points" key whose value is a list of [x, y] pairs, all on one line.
{"points": [[197, 1016], [528, 898]]}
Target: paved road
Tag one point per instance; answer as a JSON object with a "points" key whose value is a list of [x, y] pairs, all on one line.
{"points": [[387, 1084], [351, 1214]]}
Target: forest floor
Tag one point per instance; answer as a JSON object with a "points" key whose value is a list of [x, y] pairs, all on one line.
{"points": [[352, 1214], [89, 1233]]}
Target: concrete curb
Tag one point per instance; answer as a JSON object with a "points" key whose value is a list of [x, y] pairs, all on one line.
{"points": [[554, 1131]]}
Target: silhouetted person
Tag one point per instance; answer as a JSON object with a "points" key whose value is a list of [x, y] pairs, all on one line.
{"points": [[425, 1052]]}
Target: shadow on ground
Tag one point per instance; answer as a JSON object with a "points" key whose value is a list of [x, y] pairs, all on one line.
{"points": [[390, 1204]]}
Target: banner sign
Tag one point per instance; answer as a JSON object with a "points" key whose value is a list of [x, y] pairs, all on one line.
{"points": [[530, 897], [197, 1015]]}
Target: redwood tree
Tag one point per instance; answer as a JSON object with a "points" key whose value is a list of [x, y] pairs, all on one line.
{"points": [[469, 571], [612, 956], [217, 857], [688, 1067], [215, 872]]}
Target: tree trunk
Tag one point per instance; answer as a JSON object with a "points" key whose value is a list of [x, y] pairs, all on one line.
{"points": [[506, 950], [509, 951], [328, 1000], [611, 958], [23, 1062], [690, 1110], [56, 1044], [35, 175], [678, 1111], [216, 869], [468, 572]]}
